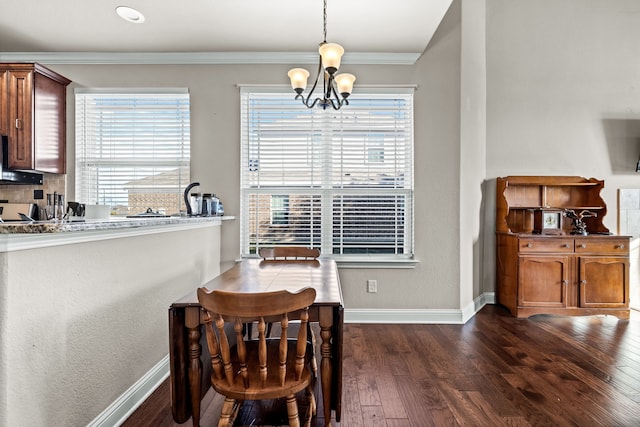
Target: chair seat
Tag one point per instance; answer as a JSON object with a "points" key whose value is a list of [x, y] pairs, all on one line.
{"points": [[272, 389]]}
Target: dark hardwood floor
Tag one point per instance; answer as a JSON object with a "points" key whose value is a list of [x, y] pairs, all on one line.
{"points": [[493, 371]]}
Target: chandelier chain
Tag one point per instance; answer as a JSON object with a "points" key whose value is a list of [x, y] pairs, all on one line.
{"points": [[325, 21]]}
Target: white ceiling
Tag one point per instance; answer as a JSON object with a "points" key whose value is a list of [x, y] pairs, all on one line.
{"points": [[226, 27]]}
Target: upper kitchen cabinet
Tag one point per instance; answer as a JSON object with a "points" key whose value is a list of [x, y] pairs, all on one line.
{"points": [[33, 116]]}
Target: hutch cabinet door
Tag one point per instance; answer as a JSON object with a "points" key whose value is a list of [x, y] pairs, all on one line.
{"points": [[543, 280], [603, 282]]}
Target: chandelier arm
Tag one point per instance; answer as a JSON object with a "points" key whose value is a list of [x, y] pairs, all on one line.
{"points": [[341, 101], [329, 87], [315, 83], [335, 91], [313, 104]]}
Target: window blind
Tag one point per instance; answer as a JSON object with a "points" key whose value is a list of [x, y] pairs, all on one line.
{"points": [[341, 181], [132, 149]]}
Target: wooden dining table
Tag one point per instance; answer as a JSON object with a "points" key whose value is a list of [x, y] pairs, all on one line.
{"points": [[190, 366]]}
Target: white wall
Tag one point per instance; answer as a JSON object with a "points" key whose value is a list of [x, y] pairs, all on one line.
{"points": [[563, 93], [473, 119], [215, 132], [564, 90], [81, 323]]}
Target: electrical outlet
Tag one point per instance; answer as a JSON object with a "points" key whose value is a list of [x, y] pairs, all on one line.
{"points": [[372, 286]]}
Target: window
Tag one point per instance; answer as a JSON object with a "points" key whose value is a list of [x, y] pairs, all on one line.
{"points": [[341, 181], [132, 149]]}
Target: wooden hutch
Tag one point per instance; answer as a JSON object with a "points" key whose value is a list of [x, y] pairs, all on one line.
{"points": [[541, 266]]}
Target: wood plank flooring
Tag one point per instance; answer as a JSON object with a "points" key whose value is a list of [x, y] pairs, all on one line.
{"points": [[493, 371]]}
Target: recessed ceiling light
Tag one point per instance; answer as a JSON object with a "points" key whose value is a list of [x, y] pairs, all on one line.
{"points": [[130, 14]]}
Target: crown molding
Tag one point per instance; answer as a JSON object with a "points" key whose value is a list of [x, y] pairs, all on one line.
{"points": [[168, 58]]}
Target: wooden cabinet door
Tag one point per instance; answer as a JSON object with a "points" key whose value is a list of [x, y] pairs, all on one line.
{"points": [[603, 282], [49, 124], [4, 103], [20, 119], [543, 280]]}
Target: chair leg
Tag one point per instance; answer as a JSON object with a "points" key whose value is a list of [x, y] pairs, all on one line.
{"points": [[292, 410], [312, 405], [314, 363], [228, 413]]}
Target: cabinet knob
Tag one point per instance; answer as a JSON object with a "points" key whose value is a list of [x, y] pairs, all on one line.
{"points": [[583, 245], [620, 247], [566, 245], [529, 245], [564, 282], [18, 123], [583, 281]]}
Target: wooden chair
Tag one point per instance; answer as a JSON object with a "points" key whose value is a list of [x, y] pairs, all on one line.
{"points": [[288, 253], [264, 368]]}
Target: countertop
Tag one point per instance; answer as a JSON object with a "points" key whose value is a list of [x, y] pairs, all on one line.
{"points": [[39, 227], [16, 236]]}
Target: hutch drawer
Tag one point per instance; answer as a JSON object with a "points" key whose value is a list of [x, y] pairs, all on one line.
{"points": [[610, 245], [546, 244]]}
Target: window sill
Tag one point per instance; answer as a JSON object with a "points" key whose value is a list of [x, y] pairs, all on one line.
{"points": [[365, 261], [375, 262]]}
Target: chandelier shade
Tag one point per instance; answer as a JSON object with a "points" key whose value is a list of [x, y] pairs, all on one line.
{"points": [[336, 88], [331, 54], [345, 83], [298, 78]]}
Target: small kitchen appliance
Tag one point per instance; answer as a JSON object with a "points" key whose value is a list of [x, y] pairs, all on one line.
{"points": [[202, 204]]}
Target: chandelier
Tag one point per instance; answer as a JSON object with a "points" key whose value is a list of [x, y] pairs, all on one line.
{"points": [[336, 88]]}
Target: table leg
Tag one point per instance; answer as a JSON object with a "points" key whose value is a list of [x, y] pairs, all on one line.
{"points": [[192, 322], [326, 324], [336, 389]]}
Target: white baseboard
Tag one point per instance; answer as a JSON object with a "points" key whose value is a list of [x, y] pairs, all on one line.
{"points": [[118, 412], [424, 316]]}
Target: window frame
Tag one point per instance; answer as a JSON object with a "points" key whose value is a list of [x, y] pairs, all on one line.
{"points": [[161, 152], [355, 260]]}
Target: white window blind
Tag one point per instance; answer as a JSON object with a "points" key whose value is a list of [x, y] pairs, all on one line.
{"points": [[341, 181], [132, 149]]}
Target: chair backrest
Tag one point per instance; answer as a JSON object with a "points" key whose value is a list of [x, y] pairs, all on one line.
{"points": [[288, 253], [240, 308]]}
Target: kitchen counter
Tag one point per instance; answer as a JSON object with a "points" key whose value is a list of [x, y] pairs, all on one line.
{"points": [[98, 224], [83, 310], [30, 235]]}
